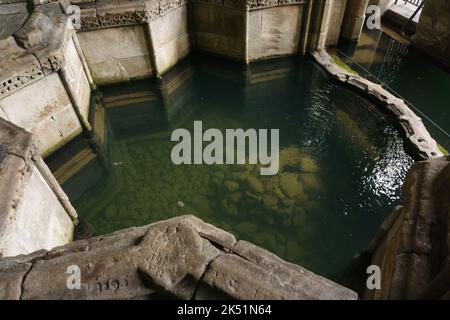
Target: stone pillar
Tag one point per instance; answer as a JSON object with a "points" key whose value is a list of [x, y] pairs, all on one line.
{"points": [[337, 16], [433, 30], [355, 15], [320, 18]]}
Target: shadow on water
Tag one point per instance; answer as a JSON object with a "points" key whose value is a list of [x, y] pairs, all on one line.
{"points": [[342, 162]]}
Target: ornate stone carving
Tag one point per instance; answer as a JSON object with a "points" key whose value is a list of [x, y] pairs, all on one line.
{"points": [[167, 5], [114, 20], [251, 4], [92, 20], [27, 77]]}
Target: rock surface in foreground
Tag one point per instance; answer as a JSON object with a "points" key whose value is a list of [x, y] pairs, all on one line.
{"points": [[412, 245], [181, 257]]}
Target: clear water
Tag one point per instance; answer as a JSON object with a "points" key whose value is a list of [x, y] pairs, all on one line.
{"points": [[342, 161], [407, 71]]}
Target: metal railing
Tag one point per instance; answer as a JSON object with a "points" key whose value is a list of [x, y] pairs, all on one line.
{"points": [[419, 4], [416, 3], [441, 136]]}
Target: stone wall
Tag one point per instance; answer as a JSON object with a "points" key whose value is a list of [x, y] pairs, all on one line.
{"points": [[116, 54], [412, 245], [170, 38], [44, 87], [274, 31], [354, 17], [34, 211], [220, 30], [433, 30], [337, 16], [242, 30], [181, 258]]}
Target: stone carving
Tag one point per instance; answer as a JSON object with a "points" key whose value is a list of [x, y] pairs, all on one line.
{"points": [[182, 257], [252, 4], [28, 76], [114, 20], [125, 14], [167, 5], [36, 50]]}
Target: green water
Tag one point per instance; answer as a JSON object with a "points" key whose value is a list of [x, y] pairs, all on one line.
{"points": [[409, 73], [342, 162]]}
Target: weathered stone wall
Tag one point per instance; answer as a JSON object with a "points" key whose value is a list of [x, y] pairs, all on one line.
{"points": [[354, 17], [433, 30], [44, 87], [170, 38], [34, 211], [116, 54], [242, 30], [220, 30], [44, 109], [337, 16], [273, 31], [181, 257], [412, 246]]}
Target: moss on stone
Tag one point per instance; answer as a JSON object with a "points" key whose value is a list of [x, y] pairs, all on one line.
{"points": [[442, 149], [343, 65]]}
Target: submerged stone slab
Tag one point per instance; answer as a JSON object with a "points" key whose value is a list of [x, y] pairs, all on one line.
{"points": [[182, 257]]}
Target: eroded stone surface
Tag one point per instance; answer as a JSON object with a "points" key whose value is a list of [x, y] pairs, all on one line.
{"points": [[249, 270], [32, 214], [412, 245], [181, 257]]}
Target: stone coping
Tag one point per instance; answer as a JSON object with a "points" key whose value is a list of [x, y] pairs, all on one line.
{"points": [[182, 257], [422, 145], [115, 13], [36, 50]]}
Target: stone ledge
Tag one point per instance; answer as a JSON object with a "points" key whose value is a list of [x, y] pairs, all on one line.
{"points": [[417, 136], [412, 245], [183, 257]]}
